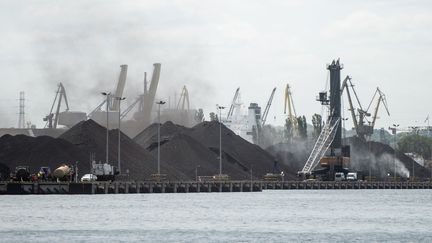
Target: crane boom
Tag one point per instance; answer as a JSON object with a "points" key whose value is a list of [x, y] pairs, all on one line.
{"points": [[151, 93], [120, 87], [184, 99], [52, 118], [231, 110], [346, 87], [129, 108], [381, 99], [267, 109], [289, 103]]}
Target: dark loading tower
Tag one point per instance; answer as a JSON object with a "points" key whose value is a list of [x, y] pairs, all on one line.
{"points": [[335, 104]]}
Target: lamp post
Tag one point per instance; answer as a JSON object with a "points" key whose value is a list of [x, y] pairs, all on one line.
{"points": [[76, 171], [220, 138], [196, 172], [394, 132], [119, 131], [107, 94], [159, 104], [430, 169], [251, 179], [344, 129]]}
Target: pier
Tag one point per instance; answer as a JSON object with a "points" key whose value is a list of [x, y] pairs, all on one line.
{"points": [[124, 187]]}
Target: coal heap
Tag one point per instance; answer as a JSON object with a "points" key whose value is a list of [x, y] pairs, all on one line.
{"points": [[91, 138], [235, 149], [382, 160], [293, 155], [185, 148], [22, 150], [148, 136]]}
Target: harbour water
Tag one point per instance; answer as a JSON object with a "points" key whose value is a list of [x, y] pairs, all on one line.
{"points": [[269, 216]]}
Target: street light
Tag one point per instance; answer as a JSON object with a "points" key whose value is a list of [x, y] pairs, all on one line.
{"points": [[394, 132], [107, 94], [119, 131], [159, 104], [344, 129], [283, 177], [196, 172], [220, 138], [76, 171]]}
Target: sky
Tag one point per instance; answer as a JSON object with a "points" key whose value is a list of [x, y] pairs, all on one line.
{"points": [[213, 47]]}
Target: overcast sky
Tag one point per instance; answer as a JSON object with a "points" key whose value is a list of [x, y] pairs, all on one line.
{"points": [[213, 47]]}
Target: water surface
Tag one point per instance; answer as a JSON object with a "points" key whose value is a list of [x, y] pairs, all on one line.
{"points": [[269, 216]]}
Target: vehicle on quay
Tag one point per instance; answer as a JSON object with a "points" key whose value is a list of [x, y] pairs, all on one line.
{"points": [[88, 178], [351, 176]]}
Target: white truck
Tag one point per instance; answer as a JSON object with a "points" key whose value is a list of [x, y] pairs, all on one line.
{"points": [[339, 176], [103, 171], [352, 176]]}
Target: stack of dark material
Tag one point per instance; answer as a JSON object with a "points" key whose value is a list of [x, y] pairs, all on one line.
{"points": [[4, 172], [22, 150], [293, 155], [189, 148], [91, 138], [380, 158]]}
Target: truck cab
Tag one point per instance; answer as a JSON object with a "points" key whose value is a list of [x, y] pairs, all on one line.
{"points": [[352, 176], [339, 176]]}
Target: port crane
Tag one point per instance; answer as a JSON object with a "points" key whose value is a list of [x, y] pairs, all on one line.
{"points": [[363, 127], [381, 99], [328, 151], [233, 103], [113, 106], [183, 103], [289, 107], [267, 109], [52, 118]]}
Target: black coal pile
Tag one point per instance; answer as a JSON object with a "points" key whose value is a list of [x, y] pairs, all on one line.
{"points": [[91, 138], [148, 137], [235, 150], [380, 159], [22, 150], [186, 148], [293, 155], [4, 172]]}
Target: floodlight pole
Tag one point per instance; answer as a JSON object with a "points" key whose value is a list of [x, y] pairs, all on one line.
{"points": [[159, 104], [107, 94], [220, 138]]}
